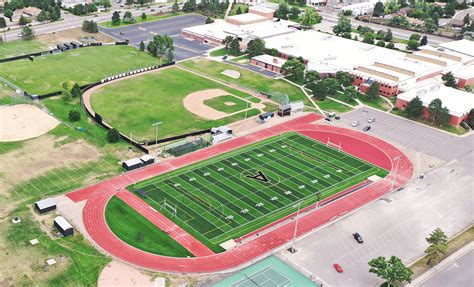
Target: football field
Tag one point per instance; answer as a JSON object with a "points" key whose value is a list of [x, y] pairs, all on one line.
{"points": [[232, 194]]}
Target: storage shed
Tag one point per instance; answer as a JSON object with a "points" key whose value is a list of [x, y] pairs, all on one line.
{"points": [[63, 226], [147, 159], [45, 205], [132, 164]]}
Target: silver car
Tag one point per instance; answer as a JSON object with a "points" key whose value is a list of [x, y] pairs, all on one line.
{"points": [[355, 123]]}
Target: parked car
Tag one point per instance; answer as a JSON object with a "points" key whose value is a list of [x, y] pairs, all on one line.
{"points": [[338, 268], [328, 120], [358, 238], [355, 123], [371, 120], [366, 128]]}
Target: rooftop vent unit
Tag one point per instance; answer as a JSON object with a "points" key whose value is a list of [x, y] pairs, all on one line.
{"points": [[435, 88], [421, 92]]}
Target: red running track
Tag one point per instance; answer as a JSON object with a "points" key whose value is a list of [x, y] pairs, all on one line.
{"points": [[359, 144]]}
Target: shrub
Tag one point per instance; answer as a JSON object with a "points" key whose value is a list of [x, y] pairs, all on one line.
{"points": [[113, 136], [74, 115]]}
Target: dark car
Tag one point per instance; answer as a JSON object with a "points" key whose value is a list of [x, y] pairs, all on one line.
{"points": [[358, 238], [366, 128]]}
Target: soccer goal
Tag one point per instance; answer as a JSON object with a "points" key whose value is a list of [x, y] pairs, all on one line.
{"points": [[172, 209], [334, 145]]}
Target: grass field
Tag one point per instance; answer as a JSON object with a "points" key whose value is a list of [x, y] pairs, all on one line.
{"points": [[86, 65], [19, 47], [247, 78], [149, 18], [219, 103], [217, 199], [152, 239], [220, 52], [133, 105]]}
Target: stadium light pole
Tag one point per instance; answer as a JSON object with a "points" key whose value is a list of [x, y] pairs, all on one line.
{"points": [[395, 172], [292, 248], [156, 133], [246, 110]]}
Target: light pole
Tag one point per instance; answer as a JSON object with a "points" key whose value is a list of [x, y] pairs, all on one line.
{"points": [[395, 173], [292, 248], [246, 110], [156, 133]]}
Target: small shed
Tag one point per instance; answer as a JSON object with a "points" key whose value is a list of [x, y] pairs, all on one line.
{"points": [[147, 159], [63, 226], [284, 110], [45, 205], [266, 116], [132, 164]]}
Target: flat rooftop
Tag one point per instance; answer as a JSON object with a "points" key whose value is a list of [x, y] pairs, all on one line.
{"points": [[457, 101], [327, 53], [275, 61], [462, 46], [463, 71], [247, 17]]}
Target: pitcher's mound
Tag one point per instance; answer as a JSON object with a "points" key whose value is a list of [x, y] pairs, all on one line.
{"points": [[21, 122]]}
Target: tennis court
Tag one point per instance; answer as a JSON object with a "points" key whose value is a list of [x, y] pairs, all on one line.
{"points": [[270, 272], [238, 192]]}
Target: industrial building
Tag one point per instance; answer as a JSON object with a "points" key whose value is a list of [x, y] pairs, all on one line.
{"points": [[457, 101]]}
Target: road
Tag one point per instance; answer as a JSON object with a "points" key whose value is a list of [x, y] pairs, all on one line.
{"points": [[396, 32], [76, 21]]}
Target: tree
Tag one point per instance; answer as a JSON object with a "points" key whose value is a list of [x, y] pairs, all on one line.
{"points": [[343, 27], [3, 25], [175, 7], [332, 85], [351, 93], [413, 45], [227, 40], [379, 9], [238, 11], [437, 236], [143, 16], [27, 33], [129, 3], [311, 77], [319, 90], [443, 117], [344, 78], [414, 107], [141, 46], [390, 46], [74, 115], [415, 37], [449, 80], [209, 20], [116, 18], [113, 136], [90, 26], [373, 91], [24, 21], [310, 17], [466, 20], [450, 8], [294, 13], [430, 25], [43, 16], [388, 36], [435, 252], [8, 13], [424, 41], [76, 91], [189, 6], [282, 12], [256, 47], [234, 47], [435, 108], [273, 52], [301, 3], [369, 37], [295, 68], [470, 121], [393, 271], [381, 43]]}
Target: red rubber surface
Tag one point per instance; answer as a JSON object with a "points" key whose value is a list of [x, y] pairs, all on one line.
{"points": [[359, 144]]}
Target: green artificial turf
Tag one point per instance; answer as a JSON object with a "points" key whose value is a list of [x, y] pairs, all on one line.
{"points": [[136, 230], [227, 104], [85, 65], [217, 200], [133, 105]]}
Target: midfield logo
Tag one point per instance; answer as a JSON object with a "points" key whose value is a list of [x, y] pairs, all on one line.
{"points": [[260, 176]]}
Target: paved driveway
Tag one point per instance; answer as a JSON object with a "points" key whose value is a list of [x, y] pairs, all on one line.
{"points": [[410, 134], [443, 199], [171, 26], [458, 273]]}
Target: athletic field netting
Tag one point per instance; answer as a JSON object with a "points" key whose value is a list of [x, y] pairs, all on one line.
{"points": [[235, 193]]}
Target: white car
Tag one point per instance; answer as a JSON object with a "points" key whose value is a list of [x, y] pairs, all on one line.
{"points": [[355, 123], [371, 120]]}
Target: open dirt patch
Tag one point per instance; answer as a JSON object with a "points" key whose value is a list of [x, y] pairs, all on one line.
{"points": [[42, 155], [229, 104], [21, 122], [119, 274], [69, 35]]}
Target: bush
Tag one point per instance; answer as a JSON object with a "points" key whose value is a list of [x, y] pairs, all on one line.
{"points": [[74, 115], [113, 136]]}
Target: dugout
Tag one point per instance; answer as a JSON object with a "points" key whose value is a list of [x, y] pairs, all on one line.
{"points": [[75, 45], [61, 47], [132, 164], [266, 116], [284, 110], [63, 226], [45, 205], [221, 130], [147, 159]]}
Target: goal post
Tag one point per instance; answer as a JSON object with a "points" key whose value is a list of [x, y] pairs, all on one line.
{"points": [[334, 145], [172, 209]]}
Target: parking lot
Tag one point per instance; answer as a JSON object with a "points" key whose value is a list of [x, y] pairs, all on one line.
{"points": [[409, 134], [184, 48], [396, 226]]}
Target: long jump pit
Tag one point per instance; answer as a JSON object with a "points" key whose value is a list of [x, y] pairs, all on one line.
{"points": [[22, 122], [259, 243]]}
